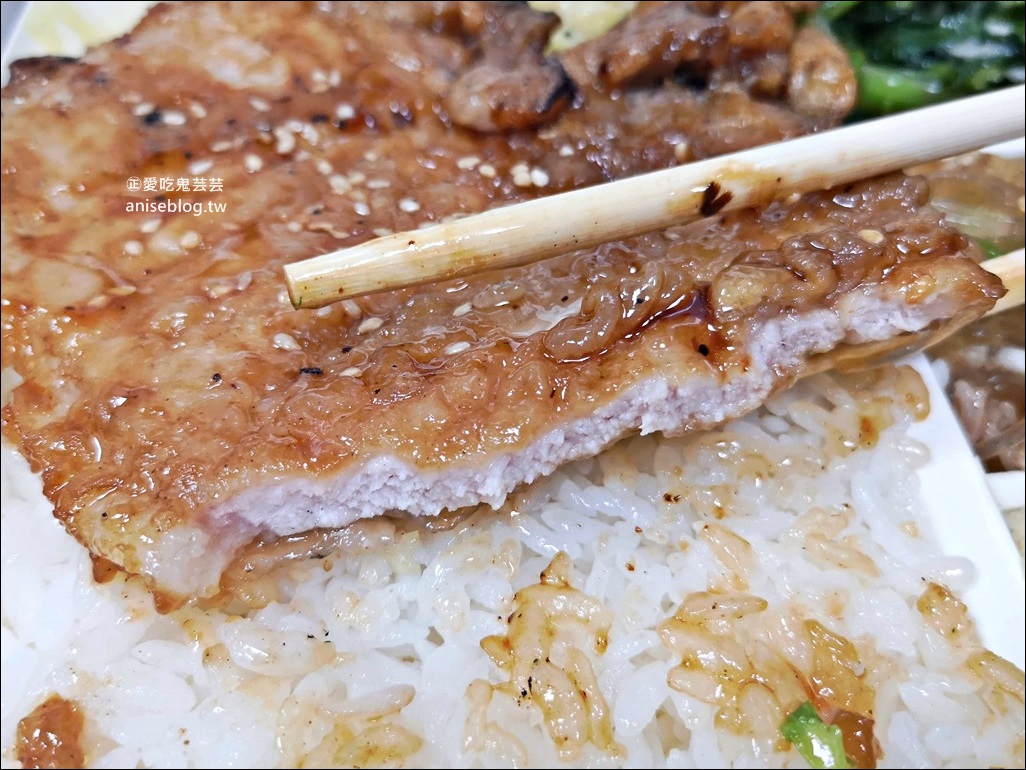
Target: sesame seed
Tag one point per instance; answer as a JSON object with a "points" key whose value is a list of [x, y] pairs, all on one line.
{"points": [[286, 141], [323, 167], [518, 168], [792, 199], [409, 205], [309, 133], [149, 226], [456, 347], [198, 167], [357, 177], [122, 291], [327, 227], [522, 179], [222, 146], [681, 150], [369, 325], [566, 151], [335, 78], [378, 184], [370, 156], [361, 208], [293, 227], [259, 104], [487, 170], [339, 184], [173, 118], [142, 109], [253, 163], [381, 232], [462, 310], [539, 177], [133, 248], [468, 162], [351, 308], [345, 112], [197, 110], [218, 290], [285, 341], [871, 236], [190, 239], [352, 371]]}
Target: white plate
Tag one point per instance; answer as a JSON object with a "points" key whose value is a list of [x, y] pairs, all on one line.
{"points": [[958, 502]]}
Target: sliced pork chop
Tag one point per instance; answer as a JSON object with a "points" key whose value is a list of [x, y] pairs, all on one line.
{"points": [[178, 407]]}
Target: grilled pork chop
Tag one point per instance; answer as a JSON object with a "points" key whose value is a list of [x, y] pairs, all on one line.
{"points": [[178, 407]]}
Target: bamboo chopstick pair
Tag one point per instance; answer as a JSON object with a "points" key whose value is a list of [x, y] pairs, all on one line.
{"points": [[546, 227]]}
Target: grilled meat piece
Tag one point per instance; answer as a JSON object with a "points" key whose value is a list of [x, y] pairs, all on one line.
{"points": [[178, 407]]}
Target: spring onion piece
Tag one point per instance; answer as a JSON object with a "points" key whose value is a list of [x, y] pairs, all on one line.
{"points": [[989, 248], [820, 744]]}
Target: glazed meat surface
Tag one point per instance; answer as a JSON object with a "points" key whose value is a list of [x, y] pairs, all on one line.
{"points": [[178, 407]]}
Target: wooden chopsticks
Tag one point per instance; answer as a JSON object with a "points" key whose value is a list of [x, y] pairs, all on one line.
{"points": [[546, 227], [1010, 269]]}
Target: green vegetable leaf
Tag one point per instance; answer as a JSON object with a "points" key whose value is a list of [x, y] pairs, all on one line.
{"points": [[909, 54], [832, 10], [820, 744]]}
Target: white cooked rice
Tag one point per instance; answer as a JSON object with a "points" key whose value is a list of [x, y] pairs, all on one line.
{"points": [[373, 656]]}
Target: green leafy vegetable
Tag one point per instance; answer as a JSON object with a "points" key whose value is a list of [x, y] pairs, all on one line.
{"points": [[820, 744], [909, 54]]}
